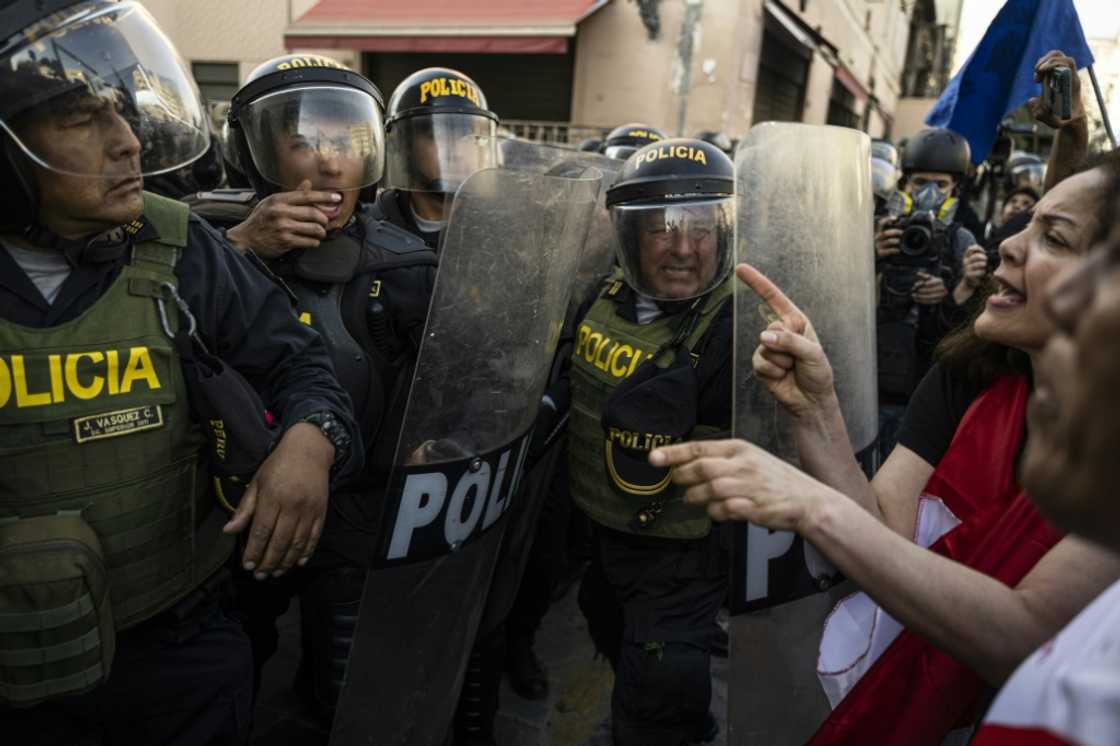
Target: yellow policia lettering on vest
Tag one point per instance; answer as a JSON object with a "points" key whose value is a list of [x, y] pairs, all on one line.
{"points": [[680, 152], [438, 87], [80, 375], [617, 359], [636, 441]]}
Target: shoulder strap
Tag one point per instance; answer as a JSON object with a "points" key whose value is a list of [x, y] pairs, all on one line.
{"points": [[391, 246], [169, 219]]}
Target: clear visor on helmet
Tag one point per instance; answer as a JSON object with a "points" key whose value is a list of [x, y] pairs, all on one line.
{"points": [[621, 152], [329, 135], [884, 178], [1028, 175], [675, 250], [437, 152], [100, 78]]}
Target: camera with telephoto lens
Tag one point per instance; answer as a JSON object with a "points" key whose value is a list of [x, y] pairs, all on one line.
{"points": [[924, 241]]}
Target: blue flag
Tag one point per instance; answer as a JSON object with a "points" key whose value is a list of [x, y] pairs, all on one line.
{"points": [[999, 74]]}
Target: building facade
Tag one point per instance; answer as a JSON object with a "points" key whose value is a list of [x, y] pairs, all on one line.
{"points": [[562, 69]]}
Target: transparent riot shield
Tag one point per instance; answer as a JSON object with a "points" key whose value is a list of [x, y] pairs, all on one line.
{"points": [[597, 255], [805, 221], [509, 252]]}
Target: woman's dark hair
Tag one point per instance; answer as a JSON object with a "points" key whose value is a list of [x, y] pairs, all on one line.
{"points": [[981, 361]]}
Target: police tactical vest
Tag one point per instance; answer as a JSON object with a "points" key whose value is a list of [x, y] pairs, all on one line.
{"points": [[608, 349], [100, 470], [335, 285]]}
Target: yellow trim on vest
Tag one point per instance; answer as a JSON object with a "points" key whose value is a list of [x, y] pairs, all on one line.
{"points": [[221, 495], [633, 489]]}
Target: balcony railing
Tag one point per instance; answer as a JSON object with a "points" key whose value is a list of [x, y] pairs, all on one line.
{"points": [[562, 133]]}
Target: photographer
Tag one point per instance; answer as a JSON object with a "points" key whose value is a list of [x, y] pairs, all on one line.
{"points": [[921, 251]]}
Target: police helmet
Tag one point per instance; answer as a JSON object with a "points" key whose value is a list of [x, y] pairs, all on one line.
{"points": [[1025, 170], [205, 174], [884, 150], [590, 145], [624, 141], [673, 210], [719, 139], [884, 178], [305, 116], [937, 149], [439, 130], [88, 66]]}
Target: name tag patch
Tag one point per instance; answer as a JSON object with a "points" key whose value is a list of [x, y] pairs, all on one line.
{"points": [[120, 422]]}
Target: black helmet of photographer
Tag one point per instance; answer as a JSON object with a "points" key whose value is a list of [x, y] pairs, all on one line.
{"points": [[624, 140], [92, 57], [937, 150], [328, 112], [675, 195], [719, 139], [439, 130]]}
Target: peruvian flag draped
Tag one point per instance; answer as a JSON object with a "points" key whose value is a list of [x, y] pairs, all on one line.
{"points": [[893, 687], [1068, 692]]}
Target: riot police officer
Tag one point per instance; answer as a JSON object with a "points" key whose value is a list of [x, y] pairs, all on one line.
{"points": [[115, 622], [438, 131], [624, 140], [924, 285], [308, 135], [651, 365]]}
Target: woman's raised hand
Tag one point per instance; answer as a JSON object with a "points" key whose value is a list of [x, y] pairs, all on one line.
{"points": [[789, 358]]}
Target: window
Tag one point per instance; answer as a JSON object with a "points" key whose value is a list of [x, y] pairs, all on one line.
{"points": [[782, 74], [217, 81], [842, 107]]}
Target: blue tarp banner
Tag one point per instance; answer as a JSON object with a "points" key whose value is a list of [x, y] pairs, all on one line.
{"points": [[999, 75]]}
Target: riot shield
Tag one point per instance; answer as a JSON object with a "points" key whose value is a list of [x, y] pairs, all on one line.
{"points": [[805, 221], [597, 254], [508, 253]]}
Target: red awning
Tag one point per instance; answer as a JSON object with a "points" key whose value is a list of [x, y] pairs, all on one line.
{"points": [[510, 26]]}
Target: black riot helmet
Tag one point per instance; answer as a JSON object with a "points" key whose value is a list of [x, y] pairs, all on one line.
{"points": [[1025, 170], [94, 67], [304, 114], [439, 130], [590, 145], [937, 149], [719, 139], [673, 210], [624, 140], [884, 150]]}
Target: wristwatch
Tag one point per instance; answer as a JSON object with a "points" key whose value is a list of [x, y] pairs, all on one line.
{"points": [[332, 430]]}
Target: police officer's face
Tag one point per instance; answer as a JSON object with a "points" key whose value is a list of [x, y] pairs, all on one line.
{"points": [[678, 251], [1062, 227], [327, 156], [1070, 467], [89, 136]]}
